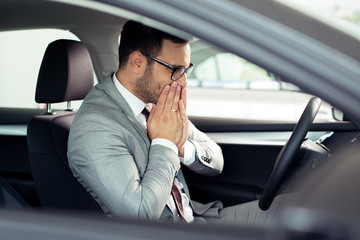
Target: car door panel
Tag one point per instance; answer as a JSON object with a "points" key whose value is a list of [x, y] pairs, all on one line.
{"points": [[245, 173]]}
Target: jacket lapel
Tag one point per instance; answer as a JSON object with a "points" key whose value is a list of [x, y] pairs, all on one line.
{"points": [[126, 112]]}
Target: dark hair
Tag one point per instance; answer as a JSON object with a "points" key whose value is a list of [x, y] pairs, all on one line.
{"points": [[138, 37]]}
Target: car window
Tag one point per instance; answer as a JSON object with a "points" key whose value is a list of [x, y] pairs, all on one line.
{"points": [[21, 53], [215, 68], [225, 85]]}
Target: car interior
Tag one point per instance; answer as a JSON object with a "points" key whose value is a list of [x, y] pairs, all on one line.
{"points": [[33, 162]]}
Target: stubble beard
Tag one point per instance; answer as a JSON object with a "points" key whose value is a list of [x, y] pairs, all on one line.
{"points": [[146, 88]]}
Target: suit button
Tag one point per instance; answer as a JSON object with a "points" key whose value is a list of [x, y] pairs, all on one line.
{"points": [[208, 160]]}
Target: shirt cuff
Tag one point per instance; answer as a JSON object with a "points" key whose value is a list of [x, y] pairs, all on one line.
{"points": [[189, 154], [166, 143]]}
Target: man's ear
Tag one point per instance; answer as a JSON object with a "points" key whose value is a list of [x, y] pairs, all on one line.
{"points": [[137, 62]]}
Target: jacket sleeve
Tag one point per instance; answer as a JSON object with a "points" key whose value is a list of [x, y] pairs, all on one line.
{"points": [[208, 154], [102, 157]]}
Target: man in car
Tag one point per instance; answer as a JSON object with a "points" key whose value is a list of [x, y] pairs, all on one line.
{"points": [[132, 134]]}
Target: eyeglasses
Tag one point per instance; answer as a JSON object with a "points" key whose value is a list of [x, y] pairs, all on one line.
{"points": [[178, 71]]}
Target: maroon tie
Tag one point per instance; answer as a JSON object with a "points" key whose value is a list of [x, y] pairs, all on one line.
{"points": [[146, 113], [175, 191]]}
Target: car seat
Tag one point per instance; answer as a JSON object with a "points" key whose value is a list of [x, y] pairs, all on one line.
{"points": [[66, 74]]}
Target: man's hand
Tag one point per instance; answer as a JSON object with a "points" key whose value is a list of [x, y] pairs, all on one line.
{"points": [[168, 118], [164, 120]]}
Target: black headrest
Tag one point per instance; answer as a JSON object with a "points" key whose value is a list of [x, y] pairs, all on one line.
{"points": [[66, 73]]}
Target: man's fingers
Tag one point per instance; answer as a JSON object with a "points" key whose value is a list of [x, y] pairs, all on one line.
{"points": [[168, 119], [175, 104], [162, 98], [170, 98]]}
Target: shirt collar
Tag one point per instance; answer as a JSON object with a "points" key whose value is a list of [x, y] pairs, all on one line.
{"points": [[134, 102]]}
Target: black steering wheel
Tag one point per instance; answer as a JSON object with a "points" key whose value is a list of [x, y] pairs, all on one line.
{"points": [[287, 153]]}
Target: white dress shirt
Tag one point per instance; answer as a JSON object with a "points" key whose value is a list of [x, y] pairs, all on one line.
{"points": [[137, 107]]}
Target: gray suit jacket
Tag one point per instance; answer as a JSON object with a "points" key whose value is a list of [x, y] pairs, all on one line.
{"points": [[111, 155]]}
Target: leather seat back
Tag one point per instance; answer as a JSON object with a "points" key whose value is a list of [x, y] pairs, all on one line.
{"points": [[66, 74]]}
